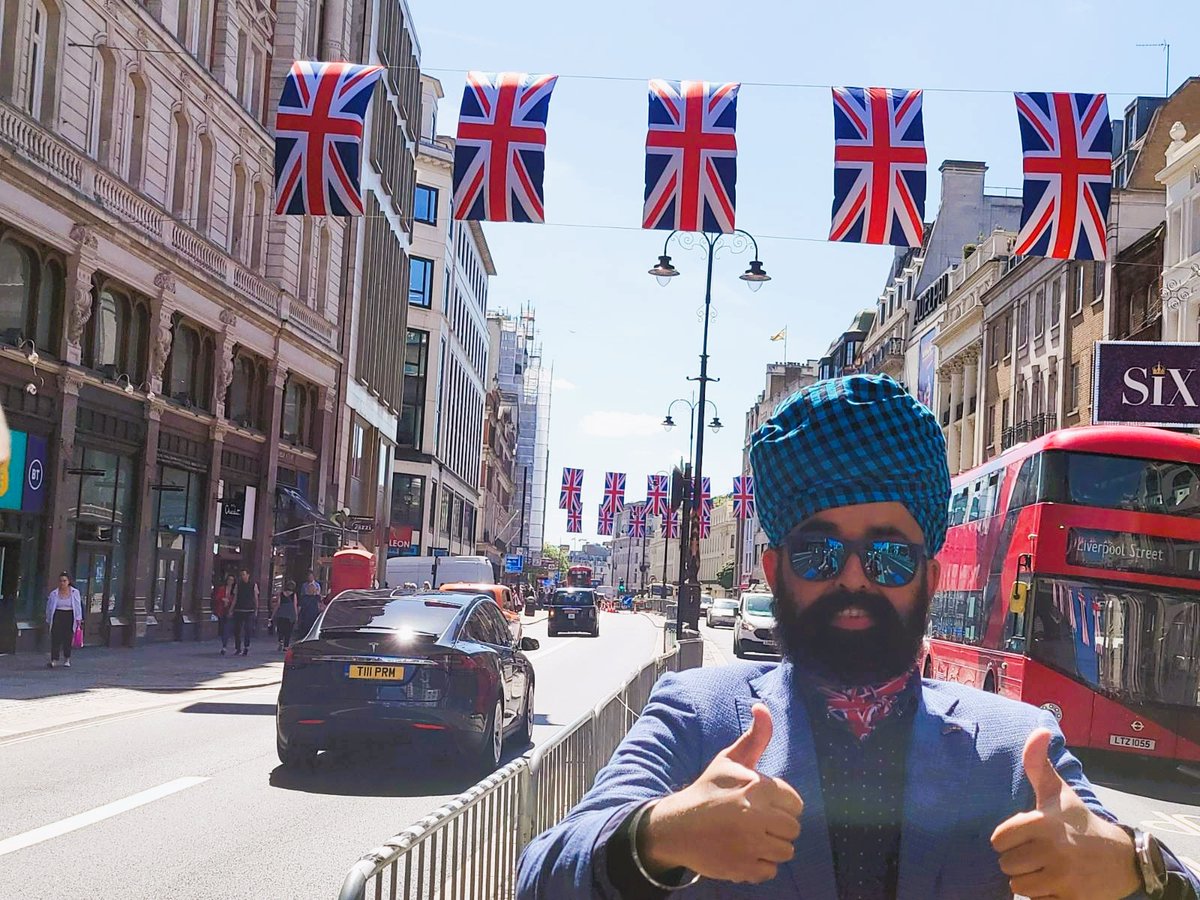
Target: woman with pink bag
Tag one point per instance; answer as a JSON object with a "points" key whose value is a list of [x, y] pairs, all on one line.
{"points": [[64, 615]]}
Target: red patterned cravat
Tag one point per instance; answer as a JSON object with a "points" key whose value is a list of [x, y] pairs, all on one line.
{"points": [[863, 707]]}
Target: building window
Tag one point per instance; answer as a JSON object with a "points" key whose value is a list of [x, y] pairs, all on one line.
{"points": [[248, 391], [990, 438], [256, 231], [1077, 295], [1007, 325], [298, 423], [425, 204], [1039, 313], [1074, 386], [420, 281], [1194, 229], [412, 412], [1055, 300], [180, 495], [1097, 282], [408, 500], [358, 451], [1023, 323], [179, 189], [32, 297], [1005, 419], [35, 94], [114, 342], [189, 370], [237, 222], [103, 111], [204, 184], [139, 119]]}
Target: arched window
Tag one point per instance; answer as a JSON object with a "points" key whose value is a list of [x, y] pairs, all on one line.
{"points": [[47, 327], [115, 339], [247, 391], [179, 189], [185, 354], [139, 119], [32, 294], [38, 34], [103, 106], [237, 224], [204, 184], [322, 298], [306, 261], [17, 264], [257, 226]]}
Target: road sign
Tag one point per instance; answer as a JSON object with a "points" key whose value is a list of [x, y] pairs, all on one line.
{"points": [[514, 564], [440, 551]]}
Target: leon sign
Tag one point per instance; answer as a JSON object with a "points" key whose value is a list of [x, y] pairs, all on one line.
{"points": [[1146, 383]]}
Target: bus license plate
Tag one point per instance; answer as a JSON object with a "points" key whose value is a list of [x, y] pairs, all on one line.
{"points": [[1135, 743], [375, 672]]}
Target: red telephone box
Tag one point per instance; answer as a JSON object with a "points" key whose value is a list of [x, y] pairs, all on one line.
{"points": [[352, 568]]}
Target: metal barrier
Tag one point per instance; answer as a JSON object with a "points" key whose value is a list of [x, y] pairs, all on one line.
{"points": [[468, 848]]}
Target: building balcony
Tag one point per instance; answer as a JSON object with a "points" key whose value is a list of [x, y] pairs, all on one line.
{"points": [[890, 350], [1029, 430]]}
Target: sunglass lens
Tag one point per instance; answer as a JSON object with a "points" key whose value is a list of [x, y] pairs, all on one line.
{"points": [[817, 560], [891, 564]]}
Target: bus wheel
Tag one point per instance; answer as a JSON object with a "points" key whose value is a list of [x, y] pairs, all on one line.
{"points": [[928, 672], [989, 683]]}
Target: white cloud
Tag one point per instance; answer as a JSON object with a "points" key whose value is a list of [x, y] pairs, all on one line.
{"points": [[562, 384], [612, 424]]}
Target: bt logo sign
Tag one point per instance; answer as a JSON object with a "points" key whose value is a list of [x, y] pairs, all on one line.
{"points": [[36, 475]]}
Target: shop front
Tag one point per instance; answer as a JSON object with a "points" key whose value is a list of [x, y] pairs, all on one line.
{"points": [[238, 495], [24, 583]]}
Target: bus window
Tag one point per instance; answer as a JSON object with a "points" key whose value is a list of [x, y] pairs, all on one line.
{"points": [[978, 499], [958, 507], [1120, 482], [993, 494], [1025, 491]]}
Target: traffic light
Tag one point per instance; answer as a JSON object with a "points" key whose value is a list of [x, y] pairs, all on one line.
{"points": [[621, 586], [678, 488]]}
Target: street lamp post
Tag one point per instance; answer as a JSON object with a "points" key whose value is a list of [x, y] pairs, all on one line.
{"points": [[754, 277], [695, 415]]}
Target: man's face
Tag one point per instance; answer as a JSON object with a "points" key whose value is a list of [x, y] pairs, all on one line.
{"points": [[245, 575], [859, 630]]}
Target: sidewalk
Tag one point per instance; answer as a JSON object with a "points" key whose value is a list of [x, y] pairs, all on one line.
{"points": [[104, 682]]}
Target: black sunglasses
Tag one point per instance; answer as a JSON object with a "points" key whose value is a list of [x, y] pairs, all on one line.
{"points": [[816, 557]]}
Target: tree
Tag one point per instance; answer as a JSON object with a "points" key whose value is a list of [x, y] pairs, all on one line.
{"points": [[556, 559], [725, 576]]}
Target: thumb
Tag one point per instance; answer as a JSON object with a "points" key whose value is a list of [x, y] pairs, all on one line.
{"points": [[1047, 783], [748, 749]]}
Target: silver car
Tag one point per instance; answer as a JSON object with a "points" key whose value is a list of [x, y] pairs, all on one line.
{"points": [[754, 626], [721, 612]]}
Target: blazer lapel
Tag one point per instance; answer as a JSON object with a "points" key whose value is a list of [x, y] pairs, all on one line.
{"points": [[941, 763], [792, 756]]}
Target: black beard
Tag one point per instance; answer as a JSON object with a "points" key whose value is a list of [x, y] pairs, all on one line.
{"points": [[876, 654]]}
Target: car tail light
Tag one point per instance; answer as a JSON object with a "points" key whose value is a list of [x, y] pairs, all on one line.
{"points": [[292, 661]]}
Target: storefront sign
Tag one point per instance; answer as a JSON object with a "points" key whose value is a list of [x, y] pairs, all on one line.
{"points": [[35, 474], [360, 524], [1125, 551], [14, 484], [400, 537], [1146, 383]]}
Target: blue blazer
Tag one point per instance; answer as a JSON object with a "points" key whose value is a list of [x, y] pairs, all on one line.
{"points": [[964, 777]]}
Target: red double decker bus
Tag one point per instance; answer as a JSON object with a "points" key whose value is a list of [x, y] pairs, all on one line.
{"points": [[1071, 580], [579, 576]]}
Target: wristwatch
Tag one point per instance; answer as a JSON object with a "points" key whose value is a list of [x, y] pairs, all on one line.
{"points": [[1148, 859]]}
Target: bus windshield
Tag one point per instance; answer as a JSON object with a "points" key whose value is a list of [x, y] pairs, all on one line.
{"points": [[1129, 643], [1121, 482]]}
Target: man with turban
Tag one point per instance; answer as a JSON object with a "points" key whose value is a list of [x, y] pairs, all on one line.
{"points": [[839, 774]]}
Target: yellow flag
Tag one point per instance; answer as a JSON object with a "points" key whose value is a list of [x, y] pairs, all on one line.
{"points": [[780, 334]]}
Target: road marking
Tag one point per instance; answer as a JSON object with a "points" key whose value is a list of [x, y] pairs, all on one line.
{"points": [[99, 814], [537, 655], [1173, 824]]}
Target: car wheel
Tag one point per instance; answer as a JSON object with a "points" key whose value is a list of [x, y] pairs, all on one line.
{"points": [[596, 630], [293, 757], [552, 632], [491, 747], [525, 732], [737, 649]]}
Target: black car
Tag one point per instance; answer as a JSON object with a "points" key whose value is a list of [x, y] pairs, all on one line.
{"points": [[381, 667], [573, 609]]}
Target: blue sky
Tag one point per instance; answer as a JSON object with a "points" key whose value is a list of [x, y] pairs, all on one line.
{"points": [[622, 346]]}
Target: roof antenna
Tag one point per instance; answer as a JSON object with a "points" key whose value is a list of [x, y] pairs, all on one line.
{"points": [[1166, 47]]}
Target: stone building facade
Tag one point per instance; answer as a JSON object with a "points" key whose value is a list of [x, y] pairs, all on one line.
{"points": [[170, 349]]}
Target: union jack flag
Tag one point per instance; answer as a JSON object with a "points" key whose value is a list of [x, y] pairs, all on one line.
{"points": [[500, 154], [657, 494], [863, 708], [671, 525], [575, 519], [1067, 145], [706, 501], [604, 522], [636, 525], [743, 496], [878, 166], [614, 492], [705, 523], [691, 156], [318, 138], [571, 494]]}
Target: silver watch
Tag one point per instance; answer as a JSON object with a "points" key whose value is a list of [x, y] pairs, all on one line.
{"points": [[1151, 866]]}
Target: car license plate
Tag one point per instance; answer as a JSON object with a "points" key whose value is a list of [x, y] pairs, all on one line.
{"points": [[375, 672], [1136, 743], [570, 615]]}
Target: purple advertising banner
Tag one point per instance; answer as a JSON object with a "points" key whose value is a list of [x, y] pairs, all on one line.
{"points": [[1146, 383], [926, 367]]}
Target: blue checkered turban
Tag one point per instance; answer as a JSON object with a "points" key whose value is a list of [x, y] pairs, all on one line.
{"points": [[846, 441]]}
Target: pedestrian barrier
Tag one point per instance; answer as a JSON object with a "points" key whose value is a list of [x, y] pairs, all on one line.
{"points": [[468, 848]]}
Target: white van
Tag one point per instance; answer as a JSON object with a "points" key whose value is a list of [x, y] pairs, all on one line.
{"points": [[450, 569]]}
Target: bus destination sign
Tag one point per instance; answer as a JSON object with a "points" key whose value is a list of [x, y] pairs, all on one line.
{"points": [[1125, 551]]}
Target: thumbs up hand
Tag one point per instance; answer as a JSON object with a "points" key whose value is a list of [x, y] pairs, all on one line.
{"points": [[1061, 848], [732, 823]]}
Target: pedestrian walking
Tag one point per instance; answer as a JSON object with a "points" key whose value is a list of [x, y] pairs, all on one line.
{"points": [[310, 604], [245, 613], [286, 613], [64, 614], [222, 605], [841, 773]]}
